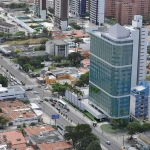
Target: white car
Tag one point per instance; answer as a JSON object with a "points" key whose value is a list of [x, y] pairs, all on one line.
{"points": [[108, 142], [35, 92]]}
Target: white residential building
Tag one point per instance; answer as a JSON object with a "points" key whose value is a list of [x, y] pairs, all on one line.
{"points": [[7, 27], [61, 14], [97, 10], [57, 48], [16, 92]]}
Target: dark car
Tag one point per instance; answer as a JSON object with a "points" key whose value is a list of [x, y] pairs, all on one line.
{"points": [[51, 100], [53, 104], [29, 89], [46, 99]]}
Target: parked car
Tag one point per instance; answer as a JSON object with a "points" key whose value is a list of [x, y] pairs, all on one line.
{"points": [[53, 104]]}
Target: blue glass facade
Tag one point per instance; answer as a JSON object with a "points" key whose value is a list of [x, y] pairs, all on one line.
{"points": [[110, 72], [82, 8], [141, 94]]}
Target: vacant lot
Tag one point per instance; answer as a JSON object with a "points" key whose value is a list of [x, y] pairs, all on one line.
{"points": [[26, 42]]}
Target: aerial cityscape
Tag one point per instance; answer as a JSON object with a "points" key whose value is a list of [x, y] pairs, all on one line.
{"points": [[74, 74]]}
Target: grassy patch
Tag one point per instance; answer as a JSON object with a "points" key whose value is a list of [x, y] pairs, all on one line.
{"points": [[37, 70], [108, 129], [51, 68], [90, 116], [26, 42], [15, 61]]}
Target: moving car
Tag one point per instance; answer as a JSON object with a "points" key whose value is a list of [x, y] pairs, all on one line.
{"points": [[35, 92], [29, 89], [108, 142]]}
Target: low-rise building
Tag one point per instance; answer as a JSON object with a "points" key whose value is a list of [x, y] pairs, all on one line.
{"points": [[15, 92], [61, 145], [42, 134], [7, 27], [57, 48], [18, 113], [139, 99]]}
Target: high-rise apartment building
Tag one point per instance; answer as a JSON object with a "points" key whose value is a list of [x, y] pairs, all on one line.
{"points": [[40, 8], [118, 63], [78, 7], [125, 12], [127, 9], [61, 13], [97, 10]]}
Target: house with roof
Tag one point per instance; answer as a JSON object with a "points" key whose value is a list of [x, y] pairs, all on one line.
{"points": [[15, 92], [13, 140], [42, 134], [18, 113], [61, 145]]}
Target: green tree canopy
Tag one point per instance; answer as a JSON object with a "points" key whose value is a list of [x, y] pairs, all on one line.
{"points": [[57, 58], [26, 10], [51, 10], [80, 135], [95, 145], [84, 80], [3, 121], [133, 128], [20, 33], [3, 81], [59, 88], [75, 58]]}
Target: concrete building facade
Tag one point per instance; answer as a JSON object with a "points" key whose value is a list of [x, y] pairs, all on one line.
{"points": [[40, 8], [61, 14], [7, 27], [97, 12], [117, 64], [57, 48]]}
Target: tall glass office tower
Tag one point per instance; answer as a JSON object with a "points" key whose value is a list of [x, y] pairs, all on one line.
{"points": [[113, 69]]}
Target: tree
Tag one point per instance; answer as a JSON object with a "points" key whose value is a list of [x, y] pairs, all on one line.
{"points": [[83, 143], [51, 10], [75, 58], [76, 133], [57, 58], [26, 10], [3, 81], [59, 88], [45, 31], [3, 121], [95, 145], [20, 33], [133, 128], [116, 122], [77, 42], [83, 80]]}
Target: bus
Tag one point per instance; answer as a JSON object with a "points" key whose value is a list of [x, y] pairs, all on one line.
{"points": [[62, 104]]}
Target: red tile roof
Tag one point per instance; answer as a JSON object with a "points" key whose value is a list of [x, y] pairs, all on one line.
{"points": [[38, 129], [15, 137], [55, 146]]}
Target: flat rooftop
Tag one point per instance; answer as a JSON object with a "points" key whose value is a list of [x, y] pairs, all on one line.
{"points": [[139, 88], [5, 24], [49, 136]]}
